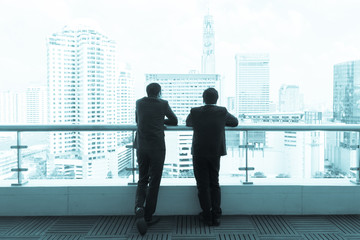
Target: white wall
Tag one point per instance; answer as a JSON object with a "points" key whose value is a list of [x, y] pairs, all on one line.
{"points": [[179, 200]]}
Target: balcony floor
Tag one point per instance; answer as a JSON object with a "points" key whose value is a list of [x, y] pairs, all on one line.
{"points": [[240, 227]]}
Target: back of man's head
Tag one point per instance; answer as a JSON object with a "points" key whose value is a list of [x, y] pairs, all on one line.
{"points": [[210, 96], [153, 90]]}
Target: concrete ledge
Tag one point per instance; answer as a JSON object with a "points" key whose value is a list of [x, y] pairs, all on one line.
{"points": [[179, 200]]}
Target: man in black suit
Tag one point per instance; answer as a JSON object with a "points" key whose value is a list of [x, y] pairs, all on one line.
{"points": [[150, 144], [208, 146]]}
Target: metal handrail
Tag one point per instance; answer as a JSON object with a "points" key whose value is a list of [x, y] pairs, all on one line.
{"points": [[112, 127], [241, 127]]}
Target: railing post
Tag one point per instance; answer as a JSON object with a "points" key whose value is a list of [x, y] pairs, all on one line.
{"points": [[19, 170], [246, 168], [357, 168], [132, 169], [133, 157]]}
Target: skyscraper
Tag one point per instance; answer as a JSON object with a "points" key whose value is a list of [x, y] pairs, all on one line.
{"points": [[231, 105], [346, 109], [290, 99], [252, 83], [82, 90], [36, 105], [346, 92], [208, 56], [125, 93]]}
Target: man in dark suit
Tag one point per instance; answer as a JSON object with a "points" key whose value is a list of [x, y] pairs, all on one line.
{"points": [[150, 144], [208, 146]]}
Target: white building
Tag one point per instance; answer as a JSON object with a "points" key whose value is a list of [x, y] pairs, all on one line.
{"points": [[208, 56], [290, 99], [82, 84], [231, 105], [183, 92], [12, 107], [125, 94], [295, 154], [252, 83], [36, 105]]}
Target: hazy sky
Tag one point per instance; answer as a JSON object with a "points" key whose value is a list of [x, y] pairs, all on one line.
{"points": [[304, 38]]}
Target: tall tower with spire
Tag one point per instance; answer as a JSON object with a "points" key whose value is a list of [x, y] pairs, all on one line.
{"points": [[208, 56]]}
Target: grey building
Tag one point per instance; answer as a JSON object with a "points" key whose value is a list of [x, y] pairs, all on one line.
{"points": [[346, 92]]}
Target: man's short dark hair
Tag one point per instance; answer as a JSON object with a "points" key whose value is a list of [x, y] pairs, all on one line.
{"points": [[210, 96], [153, 89]]}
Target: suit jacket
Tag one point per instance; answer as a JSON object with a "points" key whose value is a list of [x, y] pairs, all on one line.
{"points": [[209, 123], [150, 118]]}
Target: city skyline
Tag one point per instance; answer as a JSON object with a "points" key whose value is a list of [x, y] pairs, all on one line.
{"points": [[304, 39]]}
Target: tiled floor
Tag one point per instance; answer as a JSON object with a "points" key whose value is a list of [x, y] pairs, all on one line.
{"points": [[335, 227]]}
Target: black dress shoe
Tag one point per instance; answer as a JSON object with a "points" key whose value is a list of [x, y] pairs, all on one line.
{"points": [[140, 221], [216, 222], [152, 221], [206, 219]]}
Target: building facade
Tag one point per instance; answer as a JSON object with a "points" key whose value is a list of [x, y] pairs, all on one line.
{"points": [[290, 99], [125, 94], [252, 83], [288, 154], [231, 105], [184, 91], [342, 147], [36, 105], [346, 92], [83, 87], [13, 107]]}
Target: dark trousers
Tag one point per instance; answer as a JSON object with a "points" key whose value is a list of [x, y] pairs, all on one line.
{"points": [[206, 171], [151, 163]]}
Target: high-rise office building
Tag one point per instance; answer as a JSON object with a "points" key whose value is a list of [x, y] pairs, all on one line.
{"points": [[231, 105], [82, 74], [126, 95], [252, 83], [36, 105], [208, 56], [252, 88], [13, 107], [341, 146], [346, 92], [183, 92], [290, 99]]}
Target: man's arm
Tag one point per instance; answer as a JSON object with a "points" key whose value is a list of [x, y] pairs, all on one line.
{"points": [[189, 121], [230, 120], [136, 116], [171, 117], [136, 113]]}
